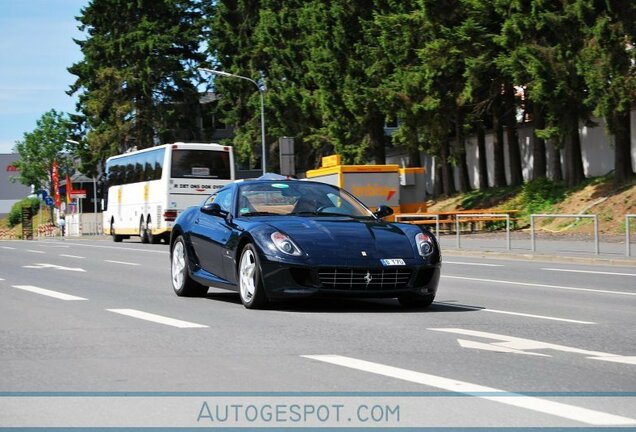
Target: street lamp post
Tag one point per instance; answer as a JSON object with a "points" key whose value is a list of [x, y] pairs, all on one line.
{"points": [[260, 92], [94, 194]]}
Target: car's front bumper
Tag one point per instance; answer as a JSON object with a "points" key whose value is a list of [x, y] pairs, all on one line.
{"points": [[288, 280]]}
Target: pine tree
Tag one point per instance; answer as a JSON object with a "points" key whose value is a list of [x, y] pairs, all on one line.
{"points": [[136, 79], [608, 66]]}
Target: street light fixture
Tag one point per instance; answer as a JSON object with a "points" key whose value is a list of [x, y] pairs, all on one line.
{"points": [[260, 92]]}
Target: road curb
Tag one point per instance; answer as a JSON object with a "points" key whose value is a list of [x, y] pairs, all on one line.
{"points": [[539, 257]]}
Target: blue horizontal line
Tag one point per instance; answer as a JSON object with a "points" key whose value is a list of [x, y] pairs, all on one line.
{"points": [[315, 394], [405, 429]]}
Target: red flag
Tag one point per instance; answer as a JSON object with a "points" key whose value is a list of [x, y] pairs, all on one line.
{"points": [[56, 186], [69, 189]]}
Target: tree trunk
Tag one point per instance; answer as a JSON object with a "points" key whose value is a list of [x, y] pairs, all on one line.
{"points": [[448, 182], [573, 160], [375, 128], [438, 186], [555, 161], [538, 146], [460, 153], [514, 154], [498, 150], [483, 164], [622, 152], [415, 160]]}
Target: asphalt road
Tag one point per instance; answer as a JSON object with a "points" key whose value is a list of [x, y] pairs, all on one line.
{"points": [[90, 318]]}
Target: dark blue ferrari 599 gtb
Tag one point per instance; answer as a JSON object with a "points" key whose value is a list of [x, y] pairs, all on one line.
{"points": [[271, 239]]}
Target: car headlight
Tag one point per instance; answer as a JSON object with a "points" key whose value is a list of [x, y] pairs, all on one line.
{"points": [[284, 244], [425, 244]]}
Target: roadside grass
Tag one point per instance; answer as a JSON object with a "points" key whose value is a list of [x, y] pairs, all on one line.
{"points": [[596, 195]]}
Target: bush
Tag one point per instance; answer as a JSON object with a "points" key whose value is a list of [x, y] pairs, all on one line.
{"points": [[538, 196], [15, 215]]}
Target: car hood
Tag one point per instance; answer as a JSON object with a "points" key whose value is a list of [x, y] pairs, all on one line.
{"points": [[346, 238]]}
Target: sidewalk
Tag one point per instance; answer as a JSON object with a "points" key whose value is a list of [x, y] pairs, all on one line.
{"points": [[580, 249], [612, 251]]}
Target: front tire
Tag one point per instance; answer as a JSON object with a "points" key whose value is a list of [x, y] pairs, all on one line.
{"points": [[116, 238], [416, 301], [143, 232], [182, 283], [250, 282]]}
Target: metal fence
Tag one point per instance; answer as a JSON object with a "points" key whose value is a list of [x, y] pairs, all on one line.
{"points": [[480, 215], [576, 216]]}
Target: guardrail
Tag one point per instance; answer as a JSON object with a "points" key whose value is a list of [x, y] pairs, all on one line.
{"points": [[628, 251], [485, 215], [420, 215], [577, 216]]}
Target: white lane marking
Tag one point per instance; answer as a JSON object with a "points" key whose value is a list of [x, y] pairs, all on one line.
{"points": [[56, 246], [35, 251], [122, 262], [53, 266], [622, 359], [518, 343], [7, 247], [490, 347], [558, 409], [540, 285], [49, 293], [158, 251], [72, 256], [590, 271], [156, 318], [473, 264], [546, 317]]}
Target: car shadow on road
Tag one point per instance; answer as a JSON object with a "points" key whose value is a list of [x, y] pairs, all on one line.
{"points": [[344, 305]]}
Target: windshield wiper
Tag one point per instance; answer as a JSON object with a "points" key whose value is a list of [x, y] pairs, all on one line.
{"points": [[258, 213], [304, 213], [316, 213]]}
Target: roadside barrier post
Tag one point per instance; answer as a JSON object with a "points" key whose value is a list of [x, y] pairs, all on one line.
{"points": [[532, 245], [628, 250]]}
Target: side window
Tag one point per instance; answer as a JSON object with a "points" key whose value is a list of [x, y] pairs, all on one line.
{"points": [[224, 199]]}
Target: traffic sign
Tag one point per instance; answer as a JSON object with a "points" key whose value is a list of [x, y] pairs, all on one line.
{"points": [[78, 193]]}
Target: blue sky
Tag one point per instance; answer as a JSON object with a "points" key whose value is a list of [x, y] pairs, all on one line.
{"points": [[36, 47]]}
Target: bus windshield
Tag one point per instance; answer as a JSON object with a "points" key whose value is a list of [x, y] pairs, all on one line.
{"points": [[200, 164]]}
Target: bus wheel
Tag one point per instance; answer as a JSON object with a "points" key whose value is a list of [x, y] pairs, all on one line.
{"points": [[116, 238], [143, 233], [149, 235]]}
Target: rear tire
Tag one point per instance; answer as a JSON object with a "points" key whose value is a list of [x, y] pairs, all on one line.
{"points": [[182, 283], [250, 281], [149, 235], [416, 301]]}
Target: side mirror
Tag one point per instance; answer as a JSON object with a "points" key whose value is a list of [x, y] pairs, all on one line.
{"points": [[383, 211], [214, 209]]}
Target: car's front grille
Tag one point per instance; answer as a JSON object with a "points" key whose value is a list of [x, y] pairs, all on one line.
{"points": [[364, 279]]}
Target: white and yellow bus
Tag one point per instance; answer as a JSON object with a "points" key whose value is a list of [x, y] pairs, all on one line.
{"points": [[147, 189]]}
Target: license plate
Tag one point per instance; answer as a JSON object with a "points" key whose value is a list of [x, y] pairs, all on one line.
{"points": [[393, 262]]}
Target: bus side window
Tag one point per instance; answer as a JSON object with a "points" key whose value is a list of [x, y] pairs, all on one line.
{"points": [[149, 172]]}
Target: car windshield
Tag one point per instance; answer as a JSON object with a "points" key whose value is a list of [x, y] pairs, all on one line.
{"points": [[298, 198]]}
